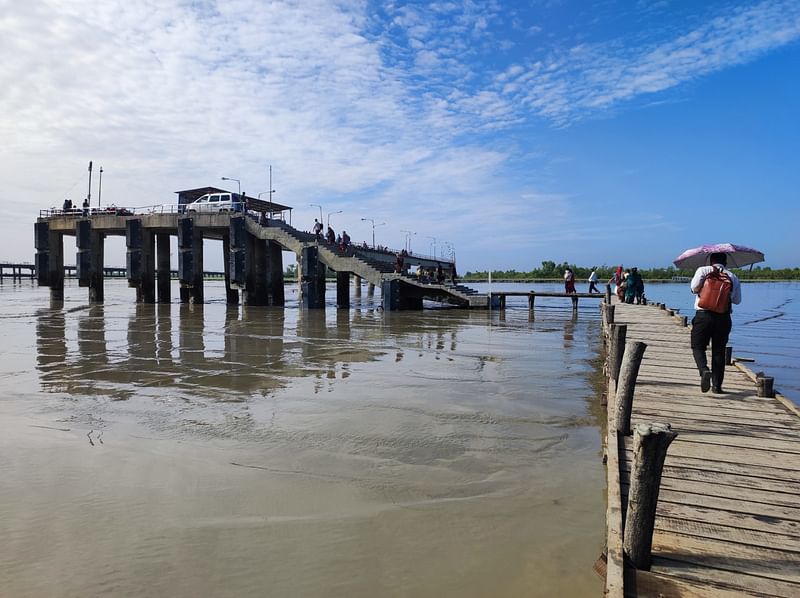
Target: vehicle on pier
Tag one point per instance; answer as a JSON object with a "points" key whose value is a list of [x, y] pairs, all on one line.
{"points": [[216, 203]]}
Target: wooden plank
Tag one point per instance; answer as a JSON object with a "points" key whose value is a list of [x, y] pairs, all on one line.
{"points": [[648, 583], [723, 454], [706, 487], [703, 464], [708, 530], [745, 521], [729, 556], [751, 585]]}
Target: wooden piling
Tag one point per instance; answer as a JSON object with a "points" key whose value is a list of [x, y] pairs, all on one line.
{"points": [[650, 443], [608, 294], [728, 355], [626, 385], [616, 347], [764, 386]]}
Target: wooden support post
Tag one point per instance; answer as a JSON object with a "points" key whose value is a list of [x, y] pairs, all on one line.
{"points": [[650, 443], [531, 301], [574, 303], [765, 386], [631, 360], [684, 321], [616, 349], [662, 306], [671, 312], [728, 355], [608, 294]]}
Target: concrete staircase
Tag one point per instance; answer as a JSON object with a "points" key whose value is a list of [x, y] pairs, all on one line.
{"points": [[353, 261]]}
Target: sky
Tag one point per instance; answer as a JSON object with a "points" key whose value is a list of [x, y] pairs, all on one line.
{"points": [[506, 132]]}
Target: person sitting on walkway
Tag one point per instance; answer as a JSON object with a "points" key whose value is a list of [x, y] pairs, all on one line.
{"points": [[710, 324], [317, 229], [569, 281]]}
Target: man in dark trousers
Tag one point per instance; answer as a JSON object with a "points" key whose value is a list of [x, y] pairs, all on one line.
{"points": [[708, 325]]}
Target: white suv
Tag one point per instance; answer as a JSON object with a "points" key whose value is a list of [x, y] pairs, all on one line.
{"points": [[216, 203]]}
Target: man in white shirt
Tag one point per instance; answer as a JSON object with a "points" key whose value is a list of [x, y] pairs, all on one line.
{"points": [[593, 281], [712, 326]]}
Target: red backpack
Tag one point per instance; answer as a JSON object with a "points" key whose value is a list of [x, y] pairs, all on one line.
{"points": [[715, 295]]}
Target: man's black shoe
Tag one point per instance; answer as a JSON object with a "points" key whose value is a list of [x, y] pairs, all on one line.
{"points": [[717, 390], [705, 381]]}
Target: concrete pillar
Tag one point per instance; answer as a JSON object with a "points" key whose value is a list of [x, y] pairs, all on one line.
{"points": [[190, 261], [89, 260], [163, 284], [370, 290], [357, 284], [312, 279], [146, 291], [231, 294], [256, 264], [275, 286], [41, 241], [343, 289], [55, 265], [395, 296]]}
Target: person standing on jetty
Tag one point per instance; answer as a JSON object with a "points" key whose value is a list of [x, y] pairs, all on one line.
{"points": [[593, 281], [569, 281], [717, 289], [317, 229]]}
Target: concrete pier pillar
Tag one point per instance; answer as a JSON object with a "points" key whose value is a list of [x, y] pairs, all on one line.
{"points": [[370, 290], [163, 282], [256, 263], [190, 261], [231, 294], [55, 265], [312, 279], [41, 241], [89, 260], [394, 297], [343, 289], [140, 260], [275, 286], [357, 285]]}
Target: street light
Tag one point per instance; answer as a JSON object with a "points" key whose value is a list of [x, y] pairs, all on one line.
{"points": [[373, 228], [434, 245], [331, 213], [238, 182], [316, 205], [408, 239], [271, 191]]}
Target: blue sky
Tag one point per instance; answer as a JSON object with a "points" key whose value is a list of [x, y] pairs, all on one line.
{"points": [[516, 132]]}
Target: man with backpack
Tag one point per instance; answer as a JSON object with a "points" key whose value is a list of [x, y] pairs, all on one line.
{"points": [[717, 288]]}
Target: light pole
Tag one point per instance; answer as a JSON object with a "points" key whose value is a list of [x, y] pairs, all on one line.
{"points": [[434, 245], [238, 182], [100, 187], [330, 214], [408, 239], [316, 205], [373, 228], [271, 191]]}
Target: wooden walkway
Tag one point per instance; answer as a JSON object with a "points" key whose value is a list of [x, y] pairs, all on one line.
{"points": [[728, 517]]}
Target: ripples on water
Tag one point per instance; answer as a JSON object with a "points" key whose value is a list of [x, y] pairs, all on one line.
{"points": [[202, 450]]}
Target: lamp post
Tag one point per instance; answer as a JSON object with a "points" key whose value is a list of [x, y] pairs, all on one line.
{"points": [[330, 214], [408, 239], [373, 228], [316, 205], [238, 182], [271, 191], [100, 187], [434, 245]]}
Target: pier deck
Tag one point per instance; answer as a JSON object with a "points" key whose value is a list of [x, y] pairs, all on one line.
{"points": [[728, 517]]}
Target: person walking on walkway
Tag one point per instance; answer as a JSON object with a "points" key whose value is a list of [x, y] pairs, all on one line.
{"points": [[593, 281], [569, 281], [717, 289]]}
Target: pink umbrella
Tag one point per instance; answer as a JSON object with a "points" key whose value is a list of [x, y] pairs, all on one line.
{"points": [[739, 256]]}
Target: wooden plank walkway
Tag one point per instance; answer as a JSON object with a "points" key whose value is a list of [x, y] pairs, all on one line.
{"points": [[728, 518]]}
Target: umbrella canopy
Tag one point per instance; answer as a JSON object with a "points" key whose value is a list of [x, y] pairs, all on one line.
{"points": [[739, 256]]}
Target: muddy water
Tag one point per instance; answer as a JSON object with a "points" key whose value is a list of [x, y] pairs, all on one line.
{"points": [[207, 451]]}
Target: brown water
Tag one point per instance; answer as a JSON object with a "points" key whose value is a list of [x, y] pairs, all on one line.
{"points": [[206, 451]]}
